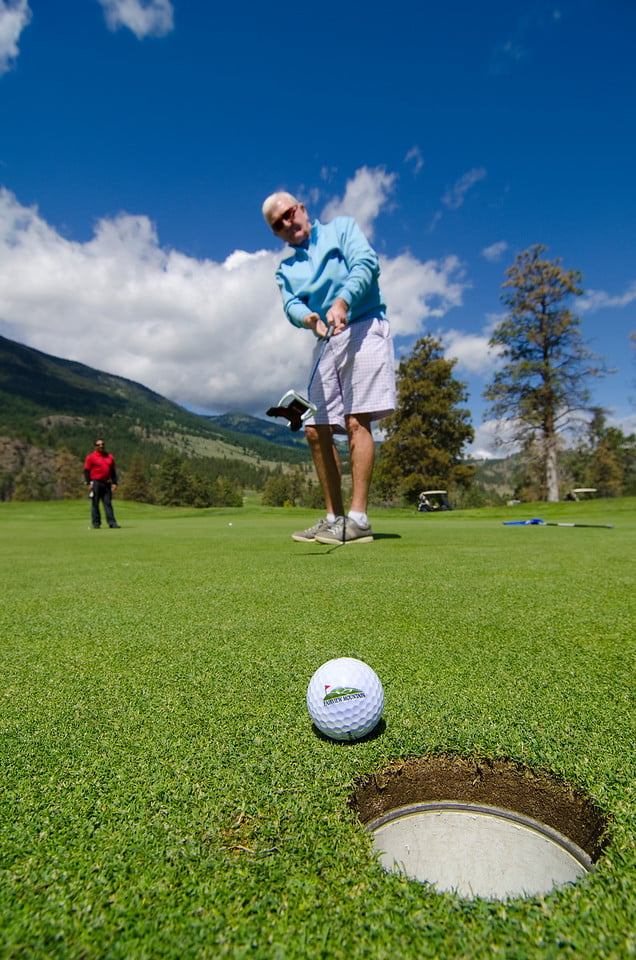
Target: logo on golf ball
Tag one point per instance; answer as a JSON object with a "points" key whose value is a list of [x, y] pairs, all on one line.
{"points": [[339, 694], [345, 699]]}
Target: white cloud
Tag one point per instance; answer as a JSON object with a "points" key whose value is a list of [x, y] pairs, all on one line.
{"points": [[146, 18], [594, 300], [414, 156], [455, 195], [493, 440], [495, 251], [211, 336], [208, 335], [416, 292], [365, 195], [626, 424], [471, 351], [14, 17]]}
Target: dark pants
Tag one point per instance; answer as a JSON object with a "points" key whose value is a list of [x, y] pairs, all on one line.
{"points": [[102, 491]]}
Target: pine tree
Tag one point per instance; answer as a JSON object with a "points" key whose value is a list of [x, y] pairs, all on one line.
{"points": [[426, 434], [545, 364], [68, 476], [135, 485]]}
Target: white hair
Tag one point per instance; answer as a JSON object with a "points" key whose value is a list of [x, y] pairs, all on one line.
{"points": [[274, 198]]}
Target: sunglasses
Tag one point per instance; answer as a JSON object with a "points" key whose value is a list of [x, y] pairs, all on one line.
{"points": [[284, 218]]}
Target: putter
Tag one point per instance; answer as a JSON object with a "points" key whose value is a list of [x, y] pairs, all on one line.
{"points": [[544, 523], [292, 405]]}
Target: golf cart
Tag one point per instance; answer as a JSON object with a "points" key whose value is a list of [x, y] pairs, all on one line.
{"points": [[581, 493], [429, 501]]}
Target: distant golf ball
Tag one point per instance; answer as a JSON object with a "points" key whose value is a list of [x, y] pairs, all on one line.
{"points": [[229, 524], [345, 699]]}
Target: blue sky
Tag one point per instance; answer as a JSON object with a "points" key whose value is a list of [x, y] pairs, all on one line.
{"points": [[138, 139]]}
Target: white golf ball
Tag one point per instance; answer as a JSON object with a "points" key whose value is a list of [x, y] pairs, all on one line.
{"points": [[229, 524], [345, 699]]}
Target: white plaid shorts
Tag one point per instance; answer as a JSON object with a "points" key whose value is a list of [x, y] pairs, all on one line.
{"points": [[356, 374]]}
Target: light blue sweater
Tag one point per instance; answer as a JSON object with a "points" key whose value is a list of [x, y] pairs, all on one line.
{"points": [[336, 261]]}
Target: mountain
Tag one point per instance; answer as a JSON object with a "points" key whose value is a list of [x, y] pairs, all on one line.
{"points": [[49, 402], [48, 405], [240, 425]]}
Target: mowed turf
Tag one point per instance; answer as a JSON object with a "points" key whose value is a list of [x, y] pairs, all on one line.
{"points": [[163, 792]]}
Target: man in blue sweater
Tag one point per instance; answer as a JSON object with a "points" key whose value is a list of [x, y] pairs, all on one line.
{"points": [[330, 279]]}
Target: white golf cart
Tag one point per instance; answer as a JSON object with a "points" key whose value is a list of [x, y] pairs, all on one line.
{"points": [[430, 501]]}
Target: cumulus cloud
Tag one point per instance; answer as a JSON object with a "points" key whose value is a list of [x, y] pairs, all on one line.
{"points": [[455, 195], [14, 17], [365, 195], [417, 292], [626, 424], [209, 335], [146, 18], [594, 300], [495, 251], [493, 439], [471, 351]]}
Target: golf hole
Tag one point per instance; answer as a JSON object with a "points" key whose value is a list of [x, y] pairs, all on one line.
{"points": [[480, 828]]}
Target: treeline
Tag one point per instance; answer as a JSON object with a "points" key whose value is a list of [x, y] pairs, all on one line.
{"points": [[292, 489], [29, 472], [179, 483], [603, 458]]}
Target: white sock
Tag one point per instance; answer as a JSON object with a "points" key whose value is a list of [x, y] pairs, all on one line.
{"points": [[331, 518], [360, 518]]}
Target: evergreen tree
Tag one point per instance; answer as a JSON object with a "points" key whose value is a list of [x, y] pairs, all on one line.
{"points": [[545, 364], [225, 494], [173, 481], [612, 459], [426, 434], [135, 485], [68, 474]]}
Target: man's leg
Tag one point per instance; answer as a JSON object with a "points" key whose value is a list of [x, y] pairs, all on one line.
{"points": [[96, 519], [108, 506], [327, 464], [355, 528], [362, 454]]}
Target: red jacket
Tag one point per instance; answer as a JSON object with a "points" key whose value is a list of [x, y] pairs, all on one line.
{"points": [[100, 466]]}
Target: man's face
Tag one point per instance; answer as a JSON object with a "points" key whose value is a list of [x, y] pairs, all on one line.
{"points": [[290, 221], [100, 446]]}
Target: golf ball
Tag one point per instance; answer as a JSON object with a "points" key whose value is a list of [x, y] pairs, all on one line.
{"points": [[345, 699]]}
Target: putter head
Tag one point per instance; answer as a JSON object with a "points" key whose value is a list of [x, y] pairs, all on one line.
{"points": [[294, 408]]}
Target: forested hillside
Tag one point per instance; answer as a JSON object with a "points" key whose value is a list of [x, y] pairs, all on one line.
{"points": [[52, 409]]}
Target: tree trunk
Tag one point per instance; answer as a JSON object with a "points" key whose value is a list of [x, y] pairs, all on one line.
{"points": [[551, 470]]}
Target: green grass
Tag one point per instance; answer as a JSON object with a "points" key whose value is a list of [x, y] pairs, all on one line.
{"points": [[163, 794]]}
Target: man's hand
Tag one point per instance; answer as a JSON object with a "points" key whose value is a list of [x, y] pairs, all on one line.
{"points": [[313, 322], [337, 315]]}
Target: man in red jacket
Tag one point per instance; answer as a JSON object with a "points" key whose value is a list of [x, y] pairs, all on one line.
{"points": [[100, 474]]}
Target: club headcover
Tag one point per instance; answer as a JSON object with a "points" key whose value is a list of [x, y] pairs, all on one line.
{"points": [[293, 408]]}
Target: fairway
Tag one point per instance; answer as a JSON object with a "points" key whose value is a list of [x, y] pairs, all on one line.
{"points": [[164, 794]]}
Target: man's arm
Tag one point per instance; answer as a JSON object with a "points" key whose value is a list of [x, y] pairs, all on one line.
{"points": [[361, 259], [295, 308]]}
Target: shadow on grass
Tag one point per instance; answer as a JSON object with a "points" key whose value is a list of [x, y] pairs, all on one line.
{"points": [[377, 731], [336, 546]]}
